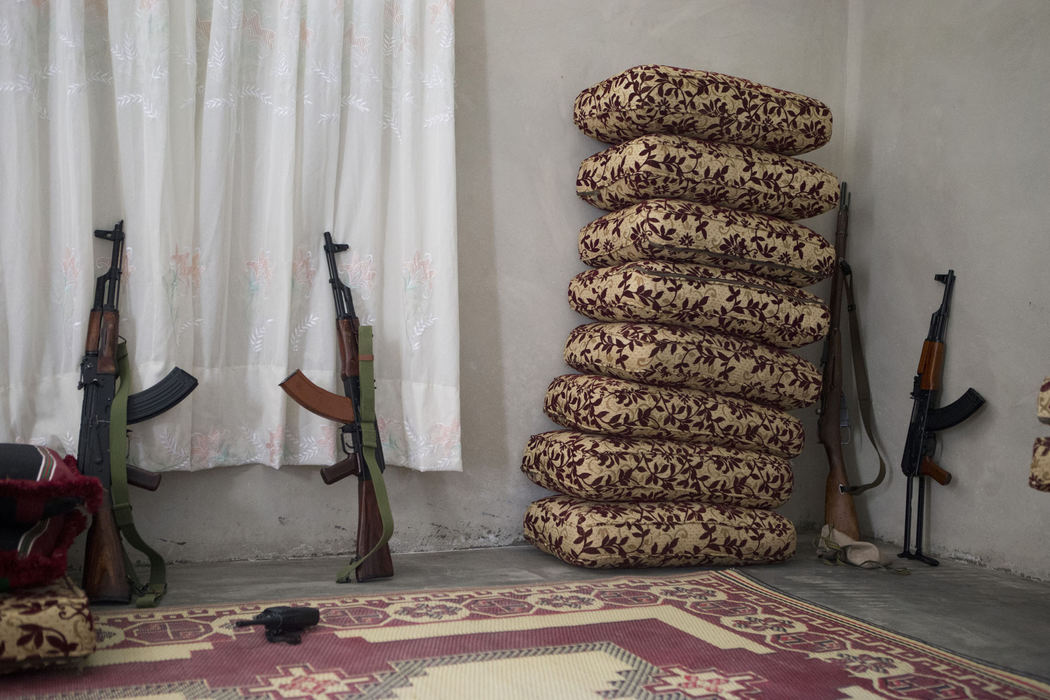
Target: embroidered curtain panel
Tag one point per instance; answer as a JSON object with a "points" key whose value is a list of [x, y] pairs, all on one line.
{"points": [[229, 136]]}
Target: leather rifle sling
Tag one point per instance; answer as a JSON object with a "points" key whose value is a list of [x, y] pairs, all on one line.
{"points": [[860, 377]]}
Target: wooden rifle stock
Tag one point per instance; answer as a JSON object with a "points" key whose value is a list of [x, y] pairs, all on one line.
{"points": [[369, 532], [105, 578], [839, 509]]}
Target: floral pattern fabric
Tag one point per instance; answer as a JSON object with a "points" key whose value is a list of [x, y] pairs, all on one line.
{"points": [[677, 167], [611, 406], [1039, 477], [614, 468], [1042, 411], [699, 296], [653, 534], [655, 99], [682, 231], [665, 355], [44, 625]]}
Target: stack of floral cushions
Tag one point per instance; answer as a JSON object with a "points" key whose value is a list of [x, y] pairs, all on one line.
{"points": [[677, 433]]}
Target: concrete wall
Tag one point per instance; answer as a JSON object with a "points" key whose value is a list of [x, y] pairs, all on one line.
{"points": [[937, 107], [948, 154]]}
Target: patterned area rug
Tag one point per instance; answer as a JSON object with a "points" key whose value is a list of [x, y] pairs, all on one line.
{"points": [[713, 634]]}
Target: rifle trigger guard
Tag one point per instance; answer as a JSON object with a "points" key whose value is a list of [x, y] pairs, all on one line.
{"points": [[347, 440]]}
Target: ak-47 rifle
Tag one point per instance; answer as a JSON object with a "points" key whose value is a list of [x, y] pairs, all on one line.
{"points": [[926, 420], [360, 435], [102, 450]]}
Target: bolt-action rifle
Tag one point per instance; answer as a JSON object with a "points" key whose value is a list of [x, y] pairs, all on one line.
{"points": [[106, 411], [839, 510], [360, 435], [926, 421]]}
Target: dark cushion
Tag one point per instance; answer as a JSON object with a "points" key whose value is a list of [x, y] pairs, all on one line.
{"points": [[40, 497]]}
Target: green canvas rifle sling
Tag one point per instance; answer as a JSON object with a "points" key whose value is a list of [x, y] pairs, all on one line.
{"points": [[151, 592], [370, 442]]}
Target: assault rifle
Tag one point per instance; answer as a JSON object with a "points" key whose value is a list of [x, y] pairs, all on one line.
{"points": [[926, 421], [102, 449], [360, 434]]}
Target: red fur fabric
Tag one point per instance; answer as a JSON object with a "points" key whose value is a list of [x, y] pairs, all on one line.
{"points": [[41, 498]]}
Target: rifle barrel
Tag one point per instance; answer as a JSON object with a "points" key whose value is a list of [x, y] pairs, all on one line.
{"points": [[939, 320]]}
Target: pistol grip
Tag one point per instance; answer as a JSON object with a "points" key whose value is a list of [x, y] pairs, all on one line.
{"points": [[931, 469]]}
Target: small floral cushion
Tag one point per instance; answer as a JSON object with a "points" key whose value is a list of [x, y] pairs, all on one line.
{"points": [[612, 468], [711, 106], [681, 231], [698, 296], [653, 353], [677, 167], [1039, 477], [1042, 411], [617, 407], [44, 625], [652, 534]]}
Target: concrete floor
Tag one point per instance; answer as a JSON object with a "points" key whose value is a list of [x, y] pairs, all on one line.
{"points": [[990, 615]]}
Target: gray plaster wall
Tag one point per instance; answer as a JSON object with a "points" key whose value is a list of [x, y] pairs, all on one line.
{"points": [[948, 153], [943, 175]]}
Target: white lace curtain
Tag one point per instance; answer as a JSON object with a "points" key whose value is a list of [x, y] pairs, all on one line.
{"points": [[229, 136]]}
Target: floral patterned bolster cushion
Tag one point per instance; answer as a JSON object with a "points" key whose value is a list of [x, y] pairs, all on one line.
{"points": [[45, 625], [613, 468], [711, 106], [698, 296], [611, 406], [1039, 476], [682, 231], [677, 167], [653, 353], [654, 534]]}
